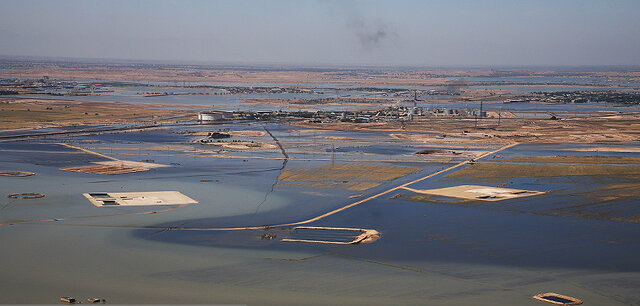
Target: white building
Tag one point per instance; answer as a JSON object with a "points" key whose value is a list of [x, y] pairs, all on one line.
{"points": [[214, 116]]}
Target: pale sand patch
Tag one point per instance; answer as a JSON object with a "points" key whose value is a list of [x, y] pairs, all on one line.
{"points": [[474, 192], [106, 199]]}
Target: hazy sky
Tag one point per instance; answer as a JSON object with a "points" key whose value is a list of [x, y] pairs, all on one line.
{"points": [[465, 32]]}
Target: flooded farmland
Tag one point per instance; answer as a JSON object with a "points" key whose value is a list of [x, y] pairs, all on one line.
{"points": [[350, 152], [249, 200], [474, 190]]}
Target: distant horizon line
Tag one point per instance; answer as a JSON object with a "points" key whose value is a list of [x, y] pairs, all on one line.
{"points": [[346, 66]]}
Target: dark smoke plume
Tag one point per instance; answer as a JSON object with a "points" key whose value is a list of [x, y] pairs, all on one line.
{"points": [[369, 32], [370, 35]]}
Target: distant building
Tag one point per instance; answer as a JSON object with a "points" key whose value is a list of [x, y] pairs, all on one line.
{"points": [[214, 116]]}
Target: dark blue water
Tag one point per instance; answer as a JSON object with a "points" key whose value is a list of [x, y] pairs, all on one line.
{"points": [[517, 232]]}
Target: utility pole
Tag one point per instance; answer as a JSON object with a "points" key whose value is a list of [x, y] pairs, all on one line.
{"points": [[333, 155], [476, 121]]}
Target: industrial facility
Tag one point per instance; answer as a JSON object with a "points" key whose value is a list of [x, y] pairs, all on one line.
{"points": [[214, 116]]}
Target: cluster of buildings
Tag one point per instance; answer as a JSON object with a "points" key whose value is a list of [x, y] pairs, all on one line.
{"points": [[230, 90], [47, 86], [399, 113], [618, 97], [564, 97]]}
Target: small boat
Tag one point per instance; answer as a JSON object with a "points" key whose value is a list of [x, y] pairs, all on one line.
{"points": [[557, 299], [95, 301], [67, 300]]}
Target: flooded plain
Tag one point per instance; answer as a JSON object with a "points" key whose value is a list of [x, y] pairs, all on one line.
{"points": [[579, 238], [233, 96], [270, 185]]}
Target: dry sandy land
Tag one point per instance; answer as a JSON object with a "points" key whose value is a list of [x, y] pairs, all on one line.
{"points": [[217, 75], [416, 77], [17, 113], [464, 131]]}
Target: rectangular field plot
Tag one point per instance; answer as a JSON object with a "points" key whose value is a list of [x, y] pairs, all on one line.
{"points": [[105, 199]]}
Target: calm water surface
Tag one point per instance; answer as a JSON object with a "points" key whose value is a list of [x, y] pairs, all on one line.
{"points": [[498, 253]]}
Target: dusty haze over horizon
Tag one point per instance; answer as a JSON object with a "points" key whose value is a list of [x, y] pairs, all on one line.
{"points": [[368, 32]]}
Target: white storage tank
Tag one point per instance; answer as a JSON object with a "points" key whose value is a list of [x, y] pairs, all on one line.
{"points": [[210, 116]]}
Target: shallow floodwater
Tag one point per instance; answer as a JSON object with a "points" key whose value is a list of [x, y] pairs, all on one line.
{"points": [[188, 93], [498, 253]]}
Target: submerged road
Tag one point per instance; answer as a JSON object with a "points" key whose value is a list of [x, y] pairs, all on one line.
{"points": [[335, 211], [284, 165], [322, 216], [88, 151]]}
